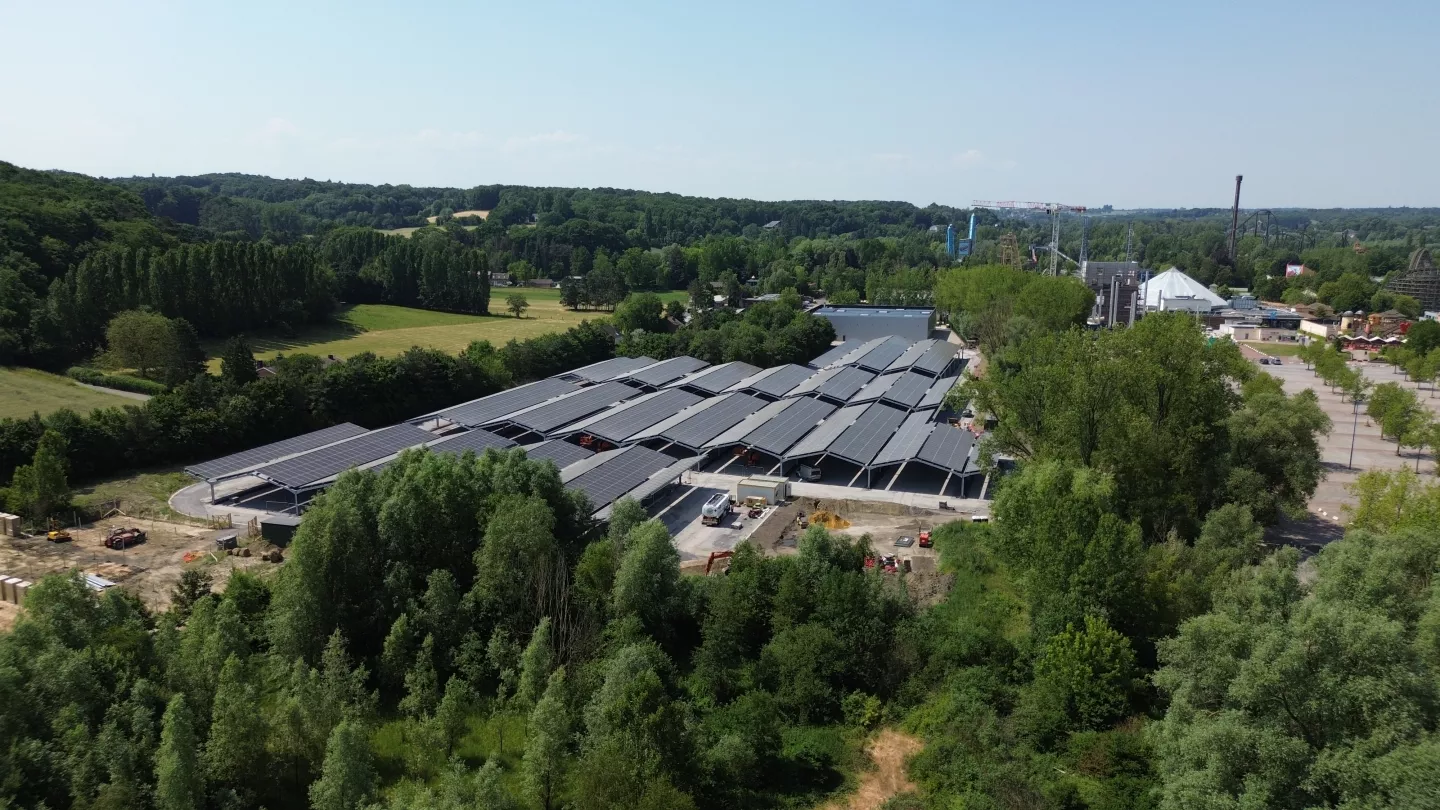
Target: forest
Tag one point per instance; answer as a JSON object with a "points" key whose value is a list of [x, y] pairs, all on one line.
{"points": [[1118, 637]]}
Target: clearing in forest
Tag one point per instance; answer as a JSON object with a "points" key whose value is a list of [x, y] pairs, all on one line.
{"points": [[888, 751], [24, 391]]}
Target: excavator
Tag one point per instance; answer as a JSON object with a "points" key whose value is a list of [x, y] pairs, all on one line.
{"points": [[57, 533]]}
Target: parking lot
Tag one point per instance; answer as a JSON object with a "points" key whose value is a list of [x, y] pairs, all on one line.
{"points": [[1325, 522]]}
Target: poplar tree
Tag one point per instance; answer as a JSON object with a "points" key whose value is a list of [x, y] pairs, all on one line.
{"points": [[535, 664], [545, 744], [347, 779], [179, 784]]}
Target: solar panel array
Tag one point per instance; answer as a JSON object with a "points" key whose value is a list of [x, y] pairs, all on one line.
{"points": [[561, 452], [907, 441], [715, 379], [845, 383], [664, 372], [785, 429], [775, 382], [936, 394], [819, 440], [881, 355], [833, 356], [486, 409], [629, 469], [874, 389], [654, 484], [476, 440], [711, 422], [862, 440], [911, 355], [937, 358], [947, 448], [606, 370], [571, 407], [631, 420], [307, 469], [258, 456], [908, 390]]}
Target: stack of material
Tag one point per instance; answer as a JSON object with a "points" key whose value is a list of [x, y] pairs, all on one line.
{"points": [[13, 589]]}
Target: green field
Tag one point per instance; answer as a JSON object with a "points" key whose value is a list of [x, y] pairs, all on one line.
{"points": [[390, 330], [24, 391]]}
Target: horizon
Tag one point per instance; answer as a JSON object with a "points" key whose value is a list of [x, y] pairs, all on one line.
{"points": [[923, 102]]}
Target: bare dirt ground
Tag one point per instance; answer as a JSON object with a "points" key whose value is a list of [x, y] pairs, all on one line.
{"points": [[150, 570], [888, 750]]}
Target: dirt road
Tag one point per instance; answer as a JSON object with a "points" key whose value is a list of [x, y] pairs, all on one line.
{"points": [[888, 750]]}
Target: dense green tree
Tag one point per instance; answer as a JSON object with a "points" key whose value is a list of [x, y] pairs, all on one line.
{"points": [[235, 749], [39, 489], [1093, 668], [347, 778], [179, 781], [546, 744], [535, 665], [516, 304], [237, 363]]}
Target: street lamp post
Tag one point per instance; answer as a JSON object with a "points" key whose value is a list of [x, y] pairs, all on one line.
{"points": [[1354, 426]]}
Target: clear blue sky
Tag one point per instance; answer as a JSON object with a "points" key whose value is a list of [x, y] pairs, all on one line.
{"points": [[1134, 104]]}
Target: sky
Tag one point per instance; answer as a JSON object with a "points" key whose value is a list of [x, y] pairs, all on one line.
{"points": [[1130, 104]]}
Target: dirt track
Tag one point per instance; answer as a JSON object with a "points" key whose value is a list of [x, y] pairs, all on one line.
{"points": [[889, 751]]}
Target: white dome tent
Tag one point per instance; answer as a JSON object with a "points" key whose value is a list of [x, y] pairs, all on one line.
{"points": [[1173, 289]]}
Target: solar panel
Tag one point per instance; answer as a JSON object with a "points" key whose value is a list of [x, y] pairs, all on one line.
{"points": [[572, 407], [908, 390], [819, 440], [776, 381], [834, 354], [713, 421], [485, 409], [911, 355], [882, 355], [654, 483], [868, 435], [937, 358], [874, 389], [629, 469], [561, 452], [750, 423], [631, 418], [246, 460], [715, 379], [781, 432], [317, 465], [860, 351], [907, 440], [814, 382], [665, 371], [948, 448], [844, 384], [476, 440], [607, 370], [937, 391]]}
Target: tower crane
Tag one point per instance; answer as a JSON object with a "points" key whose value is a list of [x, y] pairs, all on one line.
{"points": [[1054, 209]]}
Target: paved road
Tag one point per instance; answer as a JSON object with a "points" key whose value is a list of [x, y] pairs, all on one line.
{"points": [[116, 391]]}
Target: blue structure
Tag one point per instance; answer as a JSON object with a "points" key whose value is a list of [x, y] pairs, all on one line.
{"points": [[959, 248]]}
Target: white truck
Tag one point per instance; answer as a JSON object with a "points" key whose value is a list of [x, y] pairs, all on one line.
{"points": [[715, 509]]}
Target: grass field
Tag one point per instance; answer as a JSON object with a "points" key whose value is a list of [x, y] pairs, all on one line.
{"points": [[145, 494], [24, 391], [390, 330]]}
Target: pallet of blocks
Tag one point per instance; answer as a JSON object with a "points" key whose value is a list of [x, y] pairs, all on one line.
{"points": [[13, 589]]}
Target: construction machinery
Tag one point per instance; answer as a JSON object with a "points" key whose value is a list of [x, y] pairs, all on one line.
{"points": [[925, 541], [121, 538], [717, 555], [58, 536], [1053, 209]]}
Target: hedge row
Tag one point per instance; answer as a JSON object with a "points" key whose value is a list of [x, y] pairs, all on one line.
{"points": [[120, 382]]}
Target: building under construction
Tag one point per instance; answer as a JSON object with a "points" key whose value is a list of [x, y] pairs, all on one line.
{"points": [[1117, 291]]}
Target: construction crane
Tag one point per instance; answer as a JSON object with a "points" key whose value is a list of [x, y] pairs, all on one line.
{"points": [[1053, 209]]}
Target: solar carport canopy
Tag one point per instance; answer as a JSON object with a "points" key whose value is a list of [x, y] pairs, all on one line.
{"points": [[664, 372], [606, 370], [907, 441], [618, 474], [572, 407], [838, 384], [704, 425], [881, 355], [863, 439], [477, 412], [561, 452], [475, 440], [908, 391], [947, 448], [835, 354], [715, 379], [623, 421], [937, 358], [936, 394], [775, 382], [786, 426], [247, 461], [314, 468]]}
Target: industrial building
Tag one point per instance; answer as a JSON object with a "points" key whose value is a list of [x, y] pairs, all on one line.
{"points": [[861, 414], [868, 323]]}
